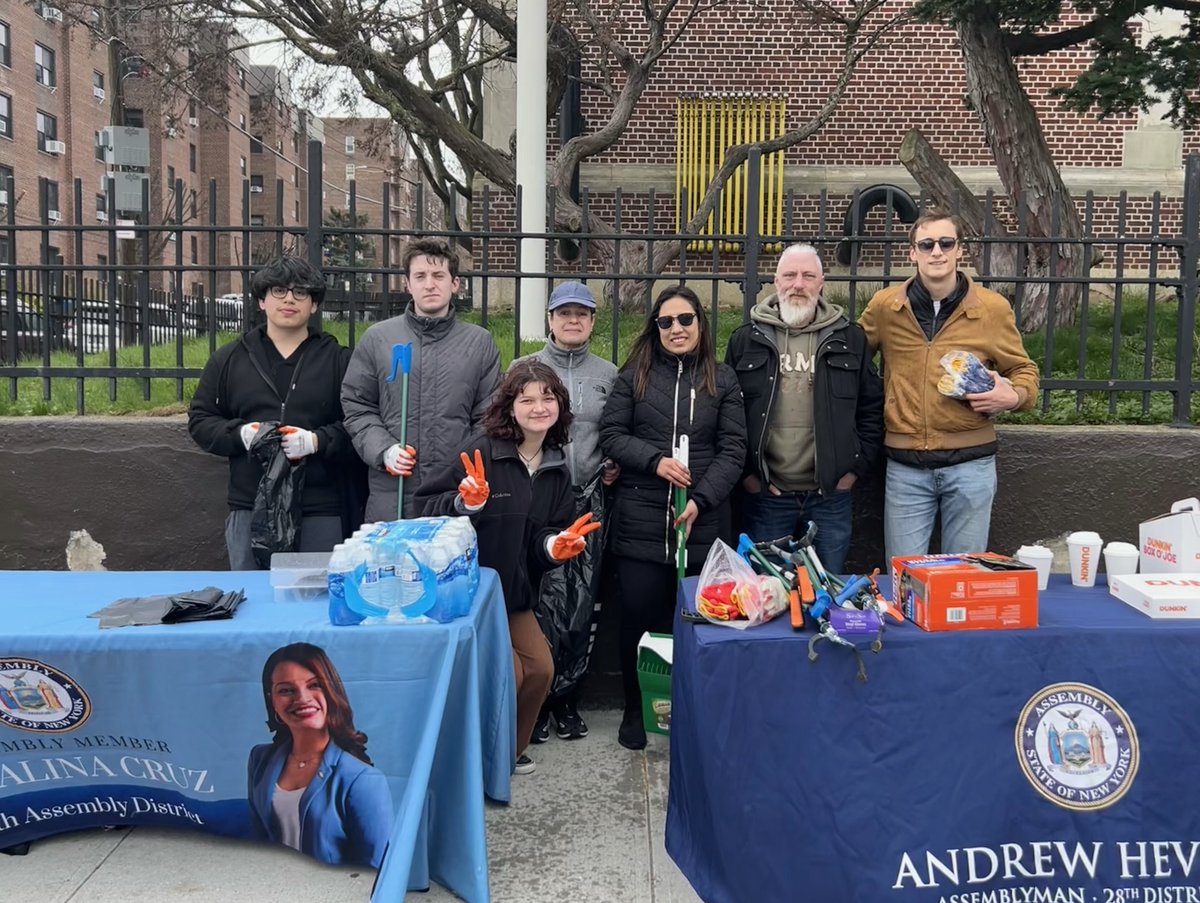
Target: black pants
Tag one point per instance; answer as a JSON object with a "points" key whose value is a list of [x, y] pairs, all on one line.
{"points": [[647, 592]]}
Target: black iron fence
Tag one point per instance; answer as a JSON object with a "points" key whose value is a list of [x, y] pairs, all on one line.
{"points": [[1125, 328]]}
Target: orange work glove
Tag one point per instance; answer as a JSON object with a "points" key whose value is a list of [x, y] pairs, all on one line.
{"points": [[571, 541], [399, 460], [473, 489]]}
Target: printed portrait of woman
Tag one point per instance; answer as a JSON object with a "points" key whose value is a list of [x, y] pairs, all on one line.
{"points": [[313, 788]]}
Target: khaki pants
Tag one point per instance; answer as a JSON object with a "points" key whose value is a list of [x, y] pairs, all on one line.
{"points": [[534, 670]]}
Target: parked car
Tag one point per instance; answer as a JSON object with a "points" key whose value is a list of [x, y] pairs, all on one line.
{"points": [[228, 310], [30, 333]]}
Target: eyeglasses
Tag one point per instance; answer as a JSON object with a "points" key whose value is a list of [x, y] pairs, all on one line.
{"points": [[685, 320], [946, 243], [299, 292]]}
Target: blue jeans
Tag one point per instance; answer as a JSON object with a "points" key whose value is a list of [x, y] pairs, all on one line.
{"points": [[913, 497], [768, 516]]}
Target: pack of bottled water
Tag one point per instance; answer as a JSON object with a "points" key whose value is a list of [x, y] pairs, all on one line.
{"points": [[424, 569]]}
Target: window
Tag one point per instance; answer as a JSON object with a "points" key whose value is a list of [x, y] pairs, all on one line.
{"points": [[295, 143], [102, 261], [195, 247], [242, 165], [97, 79], [242, 121], [256, 182], [101, 205], [256, 144], [5, 45], [134, 118], [256, 220], [192, 114], [192, 204], [296, 211], [5, 116], [47, 129], [295, 175], [43, 66], [99, 150], [170, 179], [6, 175], [191, 158], [241, 77], [52, 207], [349, 144]]}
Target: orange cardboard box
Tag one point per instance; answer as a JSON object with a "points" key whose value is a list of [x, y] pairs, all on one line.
{"points": [[964, 592]]}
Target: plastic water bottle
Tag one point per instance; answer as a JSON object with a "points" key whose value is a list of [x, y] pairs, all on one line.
{"points": [[389, 549], [341, 567], [372, 558]]}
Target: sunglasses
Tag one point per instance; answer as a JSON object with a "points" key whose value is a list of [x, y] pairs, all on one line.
{"points": [[685, 320], [946, 243], [299, 292]]}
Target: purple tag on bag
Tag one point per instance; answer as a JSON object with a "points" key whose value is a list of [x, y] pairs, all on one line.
{"points": [[854, 621]]}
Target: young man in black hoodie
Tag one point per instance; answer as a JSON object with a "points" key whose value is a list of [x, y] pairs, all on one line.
{"points": [[282, 371], [814, 409]]}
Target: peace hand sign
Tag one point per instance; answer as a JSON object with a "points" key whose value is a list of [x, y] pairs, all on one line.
{"points": [[571, 541], [474, 488]]}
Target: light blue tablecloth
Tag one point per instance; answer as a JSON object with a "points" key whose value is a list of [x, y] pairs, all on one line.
{"points": [[168, 714]]}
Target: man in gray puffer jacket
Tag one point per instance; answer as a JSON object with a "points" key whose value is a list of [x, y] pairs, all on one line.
{"points": [[568, 604], [455, 369]]}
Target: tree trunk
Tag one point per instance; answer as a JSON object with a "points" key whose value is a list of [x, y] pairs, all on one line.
{"points": [[1026, 169]]}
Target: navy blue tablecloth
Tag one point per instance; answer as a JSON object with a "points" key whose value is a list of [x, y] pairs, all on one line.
{"points": [[1045, 764], [154, 725]]}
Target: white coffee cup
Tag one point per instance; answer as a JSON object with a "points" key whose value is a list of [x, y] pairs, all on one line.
{"points": [[1084, 548], [1121, 558], [1041, 558]]}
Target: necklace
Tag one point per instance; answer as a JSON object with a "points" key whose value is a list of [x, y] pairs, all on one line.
{"points": [[301, 763], [529, 461]]}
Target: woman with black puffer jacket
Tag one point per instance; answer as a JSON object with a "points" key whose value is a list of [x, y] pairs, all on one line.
{"points": [[671, 386]]}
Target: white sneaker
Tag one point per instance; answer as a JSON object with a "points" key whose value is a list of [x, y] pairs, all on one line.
{"points": [[525, 765]]}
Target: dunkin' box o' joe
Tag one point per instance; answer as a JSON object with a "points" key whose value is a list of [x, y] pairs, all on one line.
{"points": [[966, 592], [1170, 543]]}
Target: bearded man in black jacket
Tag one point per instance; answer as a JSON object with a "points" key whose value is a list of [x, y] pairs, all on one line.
{"points": [[289, 372]]}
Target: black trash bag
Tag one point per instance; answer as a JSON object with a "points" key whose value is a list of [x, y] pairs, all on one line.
{"points": [[569, 602], [279, 502]]}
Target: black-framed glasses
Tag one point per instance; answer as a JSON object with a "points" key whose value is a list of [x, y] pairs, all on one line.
{"points": [[299, 292], [685, 320], [946, 243]]}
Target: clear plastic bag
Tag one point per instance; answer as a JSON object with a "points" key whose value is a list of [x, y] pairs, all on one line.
{"points": [[730, 593]]}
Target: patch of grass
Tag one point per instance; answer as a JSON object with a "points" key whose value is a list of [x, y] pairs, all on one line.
{"points": [[35, 396]]}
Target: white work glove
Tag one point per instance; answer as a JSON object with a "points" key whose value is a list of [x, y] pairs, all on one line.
{"points": [[298, 443], [399, 460], [248, 432]]}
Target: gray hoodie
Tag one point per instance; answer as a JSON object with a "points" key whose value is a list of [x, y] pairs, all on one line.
{"points": [[589, 380], [790, 450]]}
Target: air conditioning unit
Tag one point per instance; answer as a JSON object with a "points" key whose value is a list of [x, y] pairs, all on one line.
{"points": [[51, 14], [172, 132], [56, 147], [3, 127], [53, 217], [97, 92], [102, 216], [3, 198], [193, 121], [256, 189]]}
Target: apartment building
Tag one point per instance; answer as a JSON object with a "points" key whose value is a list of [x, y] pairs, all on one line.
{"points": [[54, 100], [375, 154]]}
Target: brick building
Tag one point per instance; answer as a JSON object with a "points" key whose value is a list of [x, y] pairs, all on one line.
{"points": [[765, 50], [373, 153]]}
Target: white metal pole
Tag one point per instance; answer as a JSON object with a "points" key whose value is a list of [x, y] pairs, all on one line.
{"points": [[531, 161]]}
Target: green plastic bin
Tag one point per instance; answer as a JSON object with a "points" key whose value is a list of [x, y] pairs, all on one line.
{"points": [[654, 678]]}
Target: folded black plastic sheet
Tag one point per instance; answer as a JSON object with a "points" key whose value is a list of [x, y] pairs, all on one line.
{"points": [[208, 604]]}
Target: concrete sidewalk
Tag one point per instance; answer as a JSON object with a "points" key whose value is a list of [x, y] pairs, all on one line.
{"points": [[587, 826]]}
